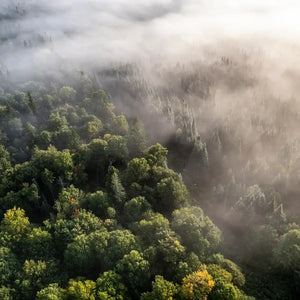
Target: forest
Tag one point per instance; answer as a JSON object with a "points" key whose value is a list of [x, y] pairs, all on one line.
{"points": [[147, 174], [90, 210]]}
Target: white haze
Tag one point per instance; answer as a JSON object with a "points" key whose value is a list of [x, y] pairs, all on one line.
{"points": [[96, 32]]}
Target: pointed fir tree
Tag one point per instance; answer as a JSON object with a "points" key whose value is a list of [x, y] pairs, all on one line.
{"points": [[114, 186]]}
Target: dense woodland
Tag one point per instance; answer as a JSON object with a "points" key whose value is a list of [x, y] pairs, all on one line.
{"points": [[130, 181], [239, 156], [90, 210]]}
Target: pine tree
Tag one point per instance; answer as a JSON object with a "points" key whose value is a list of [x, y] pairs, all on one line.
{"points": [[114, 186]]}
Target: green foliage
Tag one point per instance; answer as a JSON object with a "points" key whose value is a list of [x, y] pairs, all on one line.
{"points": [[6, 293], [161, 290], [287, 252], [188, 264], [114, 186], [238, 278], [84, 254], [86, 223], [80, 290], [224, 291], [93, 129], [97, 202], [58, 162], [56, 122], [110, 286], [119, 125], [159, 173], [156, 155], [219, 274], [152, 228], [66, 138], [172, 194], [9, 266], [38, 244], [170, 249], [64, 231], [27, 198], [135, 209], [135, 271], [15, 226], [263, 240], [99, 105], [116, 148], [120, 242], [66, 160], [4, 159], [79, 256], [44, 139], [137, 170], [68, 202], [136, 141], [14, 127], [36, 275], [51, 292], [93, 158], [67, 93], [203, 235]]}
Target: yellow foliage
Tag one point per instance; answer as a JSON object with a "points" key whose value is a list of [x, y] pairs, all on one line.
{"points": [[197, 285], [15, 223]]}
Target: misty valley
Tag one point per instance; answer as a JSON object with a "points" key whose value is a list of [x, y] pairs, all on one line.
{"points": [[143, 160]]}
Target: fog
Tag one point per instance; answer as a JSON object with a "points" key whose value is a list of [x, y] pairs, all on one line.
{"points": [[38, 34], [246, 52]]}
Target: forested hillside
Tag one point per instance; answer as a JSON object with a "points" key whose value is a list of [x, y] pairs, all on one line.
{"points": [[149, 150], [237, 153], [91, 211]]}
